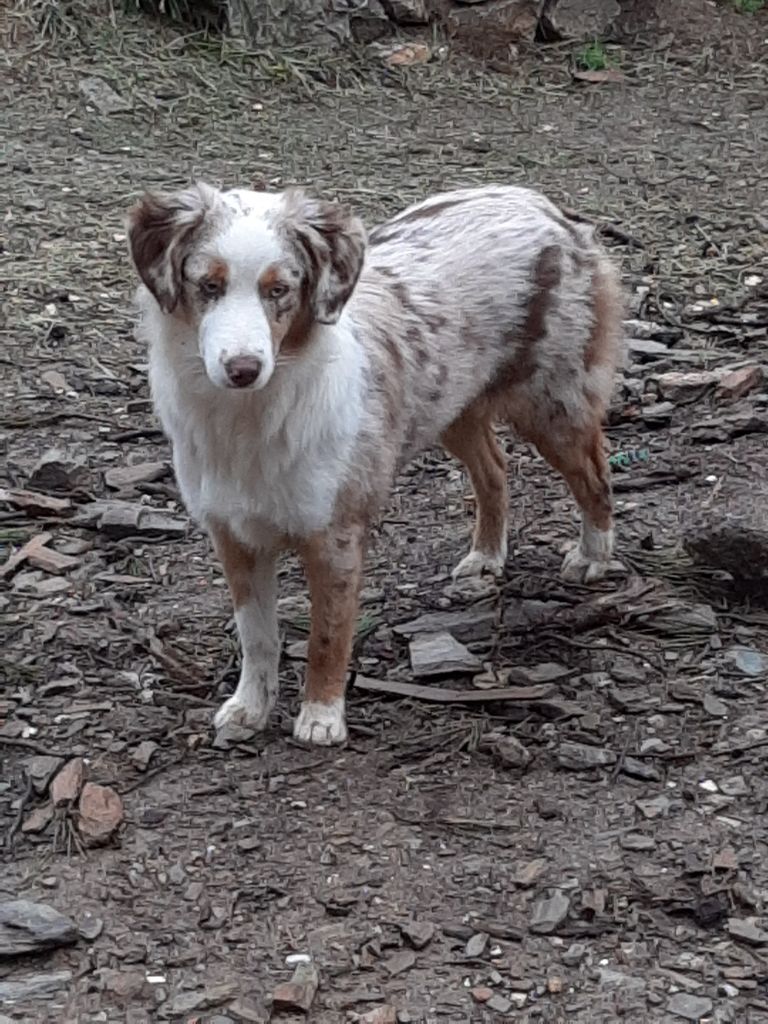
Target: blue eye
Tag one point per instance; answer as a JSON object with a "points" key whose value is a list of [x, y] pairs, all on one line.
{"points": [[277, 291]]}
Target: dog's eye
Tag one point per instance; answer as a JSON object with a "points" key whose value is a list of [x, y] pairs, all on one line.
{"points": [[210, 288], [277, 291]]}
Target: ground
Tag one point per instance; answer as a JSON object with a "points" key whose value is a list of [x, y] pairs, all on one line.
{"points": [[592, 853]]}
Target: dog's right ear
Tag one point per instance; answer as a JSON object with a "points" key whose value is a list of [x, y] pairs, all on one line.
{"points": [[161, 230]]}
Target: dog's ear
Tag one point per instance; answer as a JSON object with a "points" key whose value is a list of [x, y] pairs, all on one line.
{"points": [[330, 241], [161, 229]]}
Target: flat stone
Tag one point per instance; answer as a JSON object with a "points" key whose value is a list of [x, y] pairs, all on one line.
{"points": [[610, 979], [142, 754], [34, 986], [100, 813], [677, 386], [736, 542], [418, 933], [41, 770], [499, 1004], [129, 476], [580, 756], [575, 953], [746, 930], [202, 999], [90, 926], [581, 19], [299, 992], [528, 874], [400, 962], [97, 93], [637, 841], [481, 994], [56, 471], [438, 654], [656, 807], [689, 1007], [464, 625], [646, 348], [66, 786], [549, 913], [747, 661], [27, 927], [738, 383], [38, 819], [230, 734], [475, 947]]}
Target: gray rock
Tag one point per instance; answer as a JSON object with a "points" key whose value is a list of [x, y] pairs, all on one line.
{"points": [[610, 978], [489, 28], [549, 913], [689, 1007], [637, 841], [475, 946], [418, 933], [97, 93], [41, 770], [575, 953], [658, 414], [643, 349], [33, 986], [464, 625], [747, 661], [229, 735], [407, 12], [439, 654], [747, 930], [580, 756], [657, 807], [580, 19], [142, 754], [27, 927]]}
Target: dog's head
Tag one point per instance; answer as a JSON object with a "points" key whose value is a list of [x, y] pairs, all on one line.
{"points": [[252, 272]]}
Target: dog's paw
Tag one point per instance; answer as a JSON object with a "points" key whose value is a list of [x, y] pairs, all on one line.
{"points": [[321, 724], [580, 568], [234, 711], [477, 563]]}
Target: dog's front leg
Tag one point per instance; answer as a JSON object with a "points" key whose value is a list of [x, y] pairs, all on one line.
{"points": [[252, 577], [334, 562]]}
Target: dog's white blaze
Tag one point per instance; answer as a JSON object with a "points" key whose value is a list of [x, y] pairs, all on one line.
{"points": [[236, 324]]}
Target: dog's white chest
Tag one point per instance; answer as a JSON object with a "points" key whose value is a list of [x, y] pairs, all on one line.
{"points": [[265, 468]]}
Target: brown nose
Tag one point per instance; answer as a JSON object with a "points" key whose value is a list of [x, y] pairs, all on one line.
{"points": [[243, 370]]}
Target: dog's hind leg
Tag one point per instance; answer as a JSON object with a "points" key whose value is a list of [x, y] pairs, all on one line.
{"points": [[578, 454], [472, 441]]}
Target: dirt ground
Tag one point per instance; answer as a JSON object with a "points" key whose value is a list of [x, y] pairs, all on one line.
{"points": [[592, 852]]}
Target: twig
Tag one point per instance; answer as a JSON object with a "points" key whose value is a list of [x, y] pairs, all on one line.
{"points": [[36, 748]]}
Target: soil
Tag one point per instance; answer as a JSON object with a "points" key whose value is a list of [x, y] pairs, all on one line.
{"points": [[646, 843]]}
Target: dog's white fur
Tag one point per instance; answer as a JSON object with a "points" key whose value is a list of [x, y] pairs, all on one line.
{"points": [[475, 305]]}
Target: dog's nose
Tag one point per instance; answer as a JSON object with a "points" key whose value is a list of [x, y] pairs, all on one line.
{"points": [[243, 370]]}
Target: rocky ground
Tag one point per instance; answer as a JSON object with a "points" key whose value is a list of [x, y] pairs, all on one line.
{"points": [[552, 806]]}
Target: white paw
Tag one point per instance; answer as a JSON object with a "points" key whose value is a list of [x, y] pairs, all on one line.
{"points": [[477, 563], [321, 724], [234, 711], [580, 568]]}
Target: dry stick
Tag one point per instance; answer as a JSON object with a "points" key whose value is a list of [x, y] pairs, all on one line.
{"points": [[36, 748]]}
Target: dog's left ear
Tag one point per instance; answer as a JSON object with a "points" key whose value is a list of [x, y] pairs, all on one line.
{"points": [[330, 241]]}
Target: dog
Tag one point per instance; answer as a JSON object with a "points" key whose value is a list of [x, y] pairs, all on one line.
{"points": [[295, 364]]}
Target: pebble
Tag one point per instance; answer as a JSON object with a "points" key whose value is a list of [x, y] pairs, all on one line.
{"points": [[100, 813]]}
